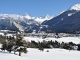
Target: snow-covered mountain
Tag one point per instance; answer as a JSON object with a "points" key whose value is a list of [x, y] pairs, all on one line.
{"points": [[67, 22], [28, 16], [41, 19], [75, 7], [21, 22], [59, 13], [38, 19], [69, 18], [16, 22]]}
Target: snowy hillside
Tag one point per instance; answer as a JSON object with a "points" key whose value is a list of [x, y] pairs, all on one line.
{"points": [[35, 54], [75, 40], [53, 54]]}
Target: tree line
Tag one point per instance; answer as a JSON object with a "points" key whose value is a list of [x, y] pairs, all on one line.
{"points": [[53, 44], [19, 45]]}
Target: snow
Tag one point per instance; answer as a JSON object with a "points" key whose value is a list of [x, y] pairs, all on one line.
{"points": [[38, 19], [2, 18], [60, 13], [75, 7], [41, 19], [4, 30], [2, 34], [9, 35], [53, 54], [67, 39], [19, 26], [21, 21], [35, 54], [64, 39], [27, 16], [13, 16], [70, 14], [62, 19]]}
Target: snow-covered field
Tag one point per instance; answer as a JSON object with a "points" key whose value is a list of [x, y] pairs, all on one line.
{"points": [[64, 39], [53, 54], [35, 54]]}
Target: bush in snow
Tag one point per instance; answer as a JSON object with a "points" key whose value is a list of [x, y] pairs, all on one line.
{"points": [[41, 48], [47, 51], [78, 46]]}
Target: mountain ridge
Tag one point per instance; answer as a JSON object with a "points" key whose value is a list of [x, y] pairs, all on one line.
{"points": [[75, 7], [67, 22], [20, 22]]}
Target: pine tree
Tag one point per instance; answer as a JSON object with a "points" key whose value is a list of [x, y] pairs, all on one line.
{"points": [[10, 46], [4, 46], [21, 45]]}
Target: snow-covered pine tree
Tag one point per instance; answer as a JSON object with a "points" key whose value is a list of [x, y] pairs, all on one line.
{"points": [[21, 45], [4, 46]]}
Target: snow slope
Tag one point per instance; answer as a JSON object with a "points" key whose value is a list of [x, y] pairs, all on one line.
{"points": [[19, 26], [35, 54], [53, 54], [64, 39]]}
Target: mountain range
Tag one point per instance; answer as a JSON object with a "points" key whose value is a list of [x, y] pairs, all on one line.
{"points": [[21, 22], [66, 22]]}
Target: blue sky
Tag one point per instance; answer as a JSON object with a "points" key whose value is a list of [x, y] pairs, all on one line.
{"points": [[35, 7]]}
